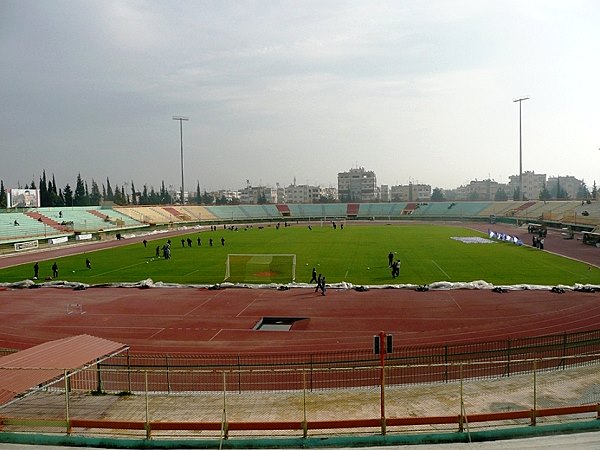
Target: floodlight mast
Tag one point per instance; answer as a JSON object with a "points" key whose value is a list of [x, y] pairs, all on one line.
{"points": [[181, 119], [520, 100]]}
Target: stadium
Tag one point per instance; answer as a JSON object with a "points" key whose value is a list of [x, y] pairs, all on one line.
{"points": [[231, 346]]}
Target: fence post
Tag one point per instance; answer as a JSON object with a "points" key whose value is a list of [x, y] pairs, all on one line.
{"points": [[224, 426], [446, 363], [67, 412], [534, 410], [311, 371], [168, 374], [148, 431], [98, 377], [239, 364], [128, 372], [508, 354], [304, 421], [460, 415], [564, 362], [382, 349]]}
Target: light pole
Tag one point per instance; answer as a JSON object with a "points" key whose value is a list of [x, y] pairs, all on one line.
{"points": [[181, 119], [520, 100]]}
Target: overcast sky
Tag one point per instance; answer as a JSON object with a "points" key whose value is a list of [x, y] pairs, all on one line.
{"points": [[414, 90]]}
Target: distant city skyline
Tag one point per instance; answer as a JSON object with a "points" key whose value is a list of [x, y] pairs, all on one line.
{"points": [[415, 91]]}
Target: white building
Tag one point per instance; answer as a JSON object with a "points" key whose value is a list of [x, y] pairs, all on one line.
{"points": [[384, 193], [330, 193], [568, 183], [252, 195], [410, 193], [357, 185], [302, 193], [486, 190], [533, 184]]}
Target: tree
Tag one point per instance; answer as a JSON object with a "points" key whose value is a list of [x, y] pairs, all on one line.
{"points": [[109, 192], [144, 200], [500, 195], [119, 196], [164, 195], [133, 194], [207, 199], [68, 196], [198, 198], [79, 196], [2, 195], [262, 199], [517, 194], [44, 194], [153, 196], [437, 195], [53, 191], [87, 194], [545, 194], [582, 193], [595, 191], [58, 199], [95, 196], [561, 194]]}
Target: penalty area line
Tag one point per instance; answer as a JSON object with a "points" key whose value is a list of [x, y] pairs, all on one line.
{"points": [[441, 270], [99, 274]]}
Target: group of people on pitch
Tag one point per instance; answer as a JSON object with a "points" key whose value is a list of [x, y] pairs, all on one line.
{"points": [[320, 280], [394, 265]]}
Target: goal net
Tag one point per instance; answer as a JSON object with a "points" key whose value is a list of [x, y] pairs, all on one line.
{"points": [[260, 268], [330, 221]]}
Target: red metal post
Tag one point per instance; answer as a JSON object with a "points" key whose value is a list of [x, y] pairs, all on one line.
{"points": [[382, 349]]}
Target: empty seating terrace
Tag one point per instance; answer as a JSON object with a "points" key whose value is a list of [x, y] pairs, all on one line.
{"points": [[380, 210], [27, 228], [88, 218], [450, 210], [42, 223]]}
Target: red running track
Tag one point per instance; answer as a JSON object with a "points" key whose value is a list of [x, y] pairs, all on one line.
{"points": [[205, 321], [222, 321]]}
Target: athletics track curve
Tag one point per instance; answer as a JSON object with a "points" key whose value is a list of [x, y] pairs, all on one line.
{"points": [[191, 320]]}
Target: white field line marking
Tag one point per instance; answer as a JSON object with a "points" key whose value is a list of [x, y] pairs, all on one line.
{"points": [[441, 270], [117, 269]]}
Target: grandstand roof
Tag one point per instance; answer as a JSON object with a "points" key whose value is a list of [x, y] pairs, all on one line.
{"points": [[38, 365]]}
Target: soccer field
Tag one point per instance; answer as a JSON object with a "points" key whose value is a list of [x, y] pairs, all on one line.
{"points": [[357, 254]]}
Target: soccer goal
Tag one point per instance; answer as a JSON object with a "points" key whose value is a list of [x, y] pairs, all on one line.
{"points": [[260, 268], [329, 221]]}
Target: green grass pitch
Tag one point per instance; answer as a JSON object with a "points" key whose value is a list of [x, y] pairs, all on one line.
{"points": [[356, 254]]}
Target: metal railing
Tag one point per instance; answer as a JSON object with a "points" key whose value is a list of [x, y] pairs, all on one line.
{"points": [[80, 402]]}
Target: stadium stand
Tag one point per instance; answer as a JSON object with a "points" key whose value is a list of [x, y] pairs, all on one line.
{"points": [[284, 210], [197, 213], [306, 211], [152, 215], [352, 209], [40, 223], [498, 209], [27, 228], [433, 210], [228, 212], [380, 210]]}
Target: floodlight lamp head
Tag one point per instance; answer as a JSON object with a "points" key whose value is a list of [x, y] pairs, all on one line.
{"points": [[181, 118]]}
